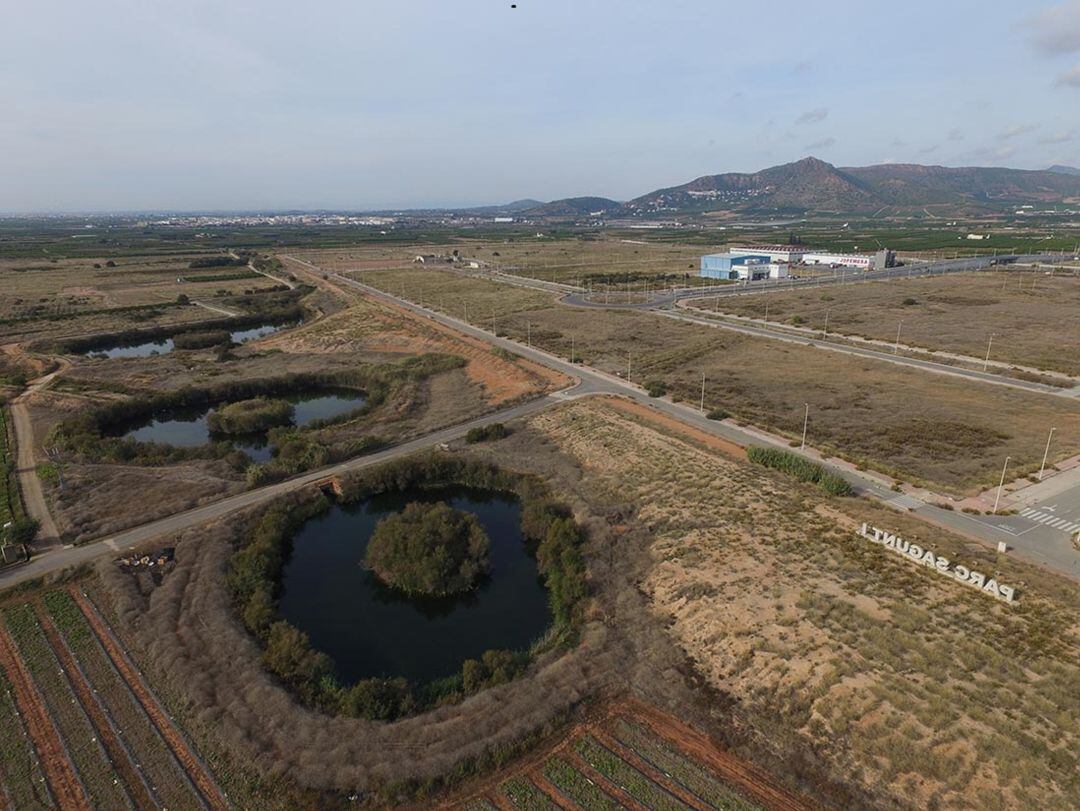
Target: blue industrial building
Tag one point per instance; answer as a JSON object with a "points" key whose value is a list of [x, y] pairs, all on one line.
{"points": [[726, 266]]}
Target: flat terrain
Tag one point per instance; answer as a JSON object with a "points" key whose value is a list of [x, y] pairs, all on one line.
{"points": [[48, 299], [1031, 316], [629, 755], [948, 433], [568, 261], [897, 679], [82, 728]]}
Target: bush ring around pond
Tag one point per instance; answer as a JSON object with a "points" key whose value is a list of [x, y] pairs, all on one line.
{"points": [[255, 572]]}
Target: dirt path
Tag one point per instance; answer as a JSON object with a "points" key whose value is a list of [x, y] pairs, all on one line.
{"points": [[52, 755], [119, 757], [753, 781], [26, 457], [197, 772]]}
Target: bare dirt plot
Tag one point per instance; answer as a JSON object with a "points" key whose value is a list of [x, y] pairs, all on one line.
{"points": [[948, 433], [1032, 317], [898, 680]]}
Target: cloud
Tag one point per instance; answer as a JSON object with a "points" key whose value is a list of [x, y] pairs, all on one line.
{"points": [[1055, 30], [1018, 130], [824, 143], [813, 116], [956, 135], [1070, 78], [802, 67], [926, 150], [1057, 138]]}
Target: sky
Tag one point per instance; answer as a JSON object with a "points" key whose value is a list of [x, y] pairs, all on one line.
{"points": [[144, 105]]}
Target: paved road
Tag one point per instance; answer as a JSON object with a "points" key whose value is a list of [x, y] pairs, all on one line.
{"points": [[875, 354], [57, 558], [1031, 540], [1045, 545], [937, 268]]}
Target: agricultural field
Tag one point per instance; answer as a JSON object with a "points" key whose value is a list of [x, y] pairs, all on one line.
{"points": [[630, 756], [946, 433], [86, 730], [10, 508], [48, 299], [1030, 316], [567, 261]]}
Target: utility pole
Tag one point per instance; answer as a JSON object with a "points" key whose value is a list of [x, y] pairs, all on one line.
{"points": [[1001, 484], [1046, 453], [703, 392], [990, 343], [571, 349], [825, 333], [896, 346], [766, 309], [805, 422], [528, 333], [628, 366]]}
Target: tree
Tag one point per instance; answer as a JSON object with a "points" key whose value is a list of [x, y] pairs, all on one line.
{"points": [[429, 549], [290, 656]]}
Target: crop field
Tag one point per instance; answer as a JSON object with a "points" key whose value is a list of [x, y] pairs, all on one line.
{"points": [[896, 679], [10, 507], [1030, 317], [569, 261], [87, 731], [947, 433], [42, 298], [633, 756]]}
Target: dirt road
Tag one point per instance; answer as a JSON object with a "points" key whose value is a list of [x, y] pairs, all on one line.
{"points": [[27, 458]]}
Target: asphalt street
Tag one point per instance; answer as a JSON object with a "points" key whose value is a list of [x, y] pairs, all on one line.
{"points": [[1031, 538]]}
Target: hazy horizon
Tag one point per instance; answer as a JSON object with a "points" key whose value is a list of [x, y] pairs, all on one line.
{"points": [[124, 106]]}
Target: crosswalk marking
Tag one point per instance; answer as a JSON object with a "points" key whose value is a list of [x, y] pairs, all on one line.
{"points": [[1051, 520]]}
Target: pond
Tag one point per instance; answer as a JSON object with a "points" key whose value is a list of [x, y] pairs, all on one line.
{"points": [[187, 427], [144, 349], [370, 630]]}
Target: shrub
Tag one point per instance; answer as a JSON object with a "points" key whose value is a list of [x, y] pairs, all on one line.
{"points": [[429, 549], [485, 433], [21, 531], [250, 416], [202, 340], [656, 388], [797, 319], [910, 302], [801, 468], [718, 414]]}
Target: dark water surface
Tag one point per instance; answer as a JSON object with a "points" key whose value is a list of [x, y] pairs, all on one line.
{"points": [[371, 630], [187, 427], [165, 345]]}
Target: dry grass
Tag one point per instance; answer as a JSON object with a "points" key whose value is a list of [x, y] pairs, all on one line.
{"points": [[75, 287], [1031, 316], [915, 689]]}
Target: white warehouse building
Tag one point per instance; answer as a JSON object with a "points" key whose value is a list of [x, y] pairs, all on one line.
{"points": [[777, 253], [863, 261]]}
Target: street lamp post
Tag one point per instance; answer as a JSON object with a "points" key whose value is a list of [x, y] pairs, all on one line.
{"points": [[703, 392], [805, 422], [990, 343], [1001, 484], [1046, 453], [896, 346]]}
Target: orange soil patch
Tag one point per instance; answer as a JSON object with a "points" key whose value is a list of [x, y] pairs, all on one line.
{"points": [[199, 775], [52, 755], [671, 424]]}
